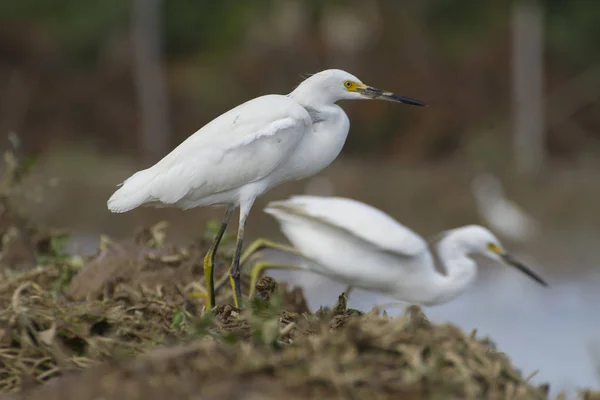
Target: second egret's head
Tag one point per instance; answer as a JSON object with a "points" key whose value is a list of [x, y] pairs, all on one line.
{"points": [[481, 241], [334, 84]]}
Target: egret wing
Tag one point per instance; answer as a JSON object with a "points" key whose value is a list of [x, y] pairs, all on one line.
{"points": [[359, 219], [239, 147]]}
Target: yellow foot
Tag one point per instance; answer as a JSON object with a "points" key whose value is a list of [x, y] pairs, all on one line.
{"points": [[235, 291], [254, 247], [208, 276]]}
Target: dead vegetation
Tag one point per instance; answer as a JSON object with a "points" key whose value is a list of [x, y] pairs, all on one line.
{"points": [[124, 323], [268, 351], [133, 299]]}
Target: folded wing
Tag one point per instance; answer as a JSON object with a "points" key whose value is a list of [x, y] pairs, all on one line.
{"points": [[361, 220], [242, 146]]}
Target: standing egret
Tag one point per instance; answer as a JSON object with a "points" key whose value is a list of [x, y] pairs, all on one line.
{"points": [[502, 214], [363, 247], [248, 150]]}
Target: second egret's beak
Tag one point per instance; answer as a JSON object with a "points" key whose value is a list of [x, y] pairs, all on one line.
{"points": [[510, 260], [373, 93]]}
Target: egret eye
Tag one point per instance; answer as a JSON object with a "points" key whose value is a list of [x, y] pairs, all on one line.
{"points": [[494, 248], [348, 84]]}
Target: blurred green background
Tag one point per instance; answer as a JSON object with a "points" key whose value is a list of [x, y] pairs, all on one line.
{"points": [[75, 60]]}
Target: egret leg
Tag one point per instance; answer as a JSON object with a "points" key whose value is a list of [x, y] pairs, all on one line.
{"points": [[254, 247], [234, 273], [262, 265], [262, 243], [209, 259]]}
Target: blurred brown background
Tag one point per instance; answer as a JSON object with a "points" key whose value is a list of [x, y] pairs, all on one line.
{"points": [[97, 90]]}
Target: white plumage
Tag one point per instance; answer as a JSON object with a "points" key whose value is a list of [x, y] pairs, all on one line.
{"points": [[356, 218], [241, 147], [363, 247], [246, 151]]}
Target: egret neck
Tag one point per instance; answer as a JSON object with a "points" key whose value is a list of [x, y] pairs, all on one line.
{"points": [[323, 144], [461, 270]]}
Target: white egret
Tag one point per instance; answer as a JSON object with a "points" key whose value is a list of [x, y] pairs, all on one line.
{"points": [[364, 247], [501, 214], [248, 150]]}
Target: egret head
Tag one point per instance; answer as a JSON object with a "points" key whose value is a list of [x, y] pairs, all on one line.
{"points": [[483, 242], [334, 84]]}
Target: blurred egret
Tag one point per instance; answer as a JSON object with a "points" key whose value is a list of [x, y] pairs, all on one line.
{"points": [[503, 215], [248, 150], [363, 247]]}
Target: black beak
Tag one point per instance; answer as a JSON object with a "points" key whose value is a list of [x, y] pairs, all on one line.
{"points": [[373, 93], [510, 260]]}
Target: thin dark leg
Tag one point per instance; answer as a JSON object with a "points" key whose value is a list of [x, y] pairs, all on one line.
{"points": [[234, 274], [209, 259]]}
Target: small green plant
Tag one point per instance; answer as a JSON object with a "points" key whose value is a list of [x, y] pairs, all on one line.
{"points": [[55, 252], [180, 320], [58, 245], [264, 319]]}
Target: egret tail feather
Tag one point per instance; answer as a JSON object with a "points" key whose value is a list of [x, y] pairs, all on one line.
{"points": [[132, 193]]}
